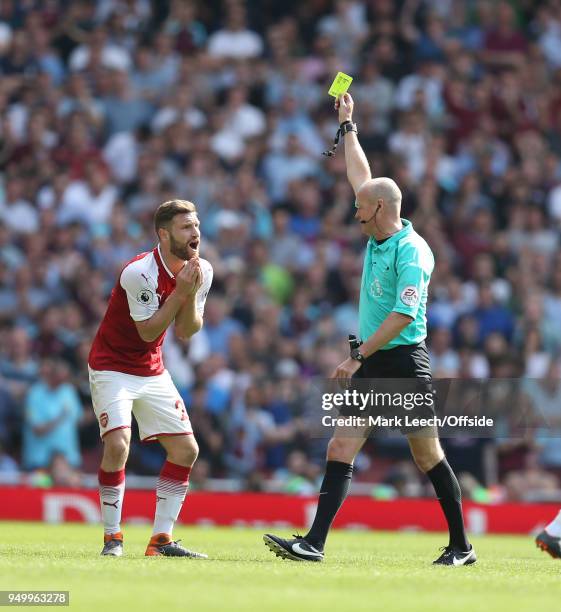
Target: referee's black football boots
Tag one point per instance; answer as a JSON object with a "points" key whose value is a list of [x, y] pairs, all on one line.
{"points": [[297, 549], [456, 557]]}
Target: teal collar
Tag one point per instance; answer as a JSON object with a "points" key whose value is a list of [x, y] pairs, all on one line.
{"points": [[390, 242]]}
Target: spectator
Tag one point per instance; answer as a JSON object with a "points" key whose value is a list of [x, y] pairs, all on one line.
{"points": [[444, 360], [16, 212], [99, 51], [89, 201], [504, 45], [235, 40], [181, 23], [18, 367], [219, 328], [123, 111], [52, 413], [491, 317], [545, 395]]}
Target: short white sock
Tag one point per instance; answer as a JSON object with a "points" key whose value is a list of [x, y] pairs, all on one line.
{"points": [[554, 528]]}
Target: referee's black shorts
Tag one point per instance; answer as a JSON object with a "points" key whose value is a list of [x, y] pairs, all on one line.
{"points": [[406, 361], [401, 370]]}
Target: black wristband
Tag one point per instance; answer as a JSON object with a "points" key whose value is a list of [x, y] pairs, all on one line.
{"points": [[344, 123]]}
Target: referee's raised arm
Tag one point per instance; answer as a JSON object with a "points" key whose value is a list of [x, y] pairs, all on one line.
{"points": [[358, 170]]}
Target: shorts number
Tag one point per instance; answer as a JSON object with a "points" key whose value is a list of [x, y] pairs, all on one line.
{"points": [[179, 405]]}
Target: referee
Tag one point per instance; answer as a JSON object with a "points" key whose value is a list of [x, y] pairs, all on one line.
{"points": [[393, 297]]}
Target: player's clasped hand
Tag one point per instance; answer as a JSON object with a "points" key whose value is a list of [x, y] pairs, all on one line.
{"points": [[345, 104], [190, 278]]}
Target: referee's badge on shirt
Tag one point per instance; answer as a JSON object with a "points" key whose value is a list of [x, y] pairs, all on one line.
{"points": [[376, 288]]}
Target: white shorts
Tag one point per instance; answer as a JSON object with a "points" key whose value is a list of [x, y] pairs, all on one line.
{"points": [[154, 400]]}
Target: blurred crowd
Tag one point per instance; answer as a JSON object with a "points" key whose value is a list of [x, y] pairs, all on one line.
{"points": [[108, 108]]}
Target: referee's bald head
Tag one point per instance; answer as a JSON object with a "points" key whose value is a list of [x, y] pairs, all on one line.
{"points": [[381, 188]]}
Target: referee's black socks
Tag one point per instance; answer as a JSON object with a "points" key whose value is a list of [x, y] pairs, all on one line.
{"points": [[334, 489], [449, 495]]}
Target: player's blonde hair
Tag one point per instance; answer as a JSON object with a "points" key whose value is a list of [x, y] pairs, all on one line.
{"points": [[167, 211]]}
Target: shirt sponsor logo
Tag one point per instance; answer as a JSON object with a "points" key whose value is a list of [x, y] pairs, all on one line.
{"points": [[145, 296], [410, 295], [103, 419]]}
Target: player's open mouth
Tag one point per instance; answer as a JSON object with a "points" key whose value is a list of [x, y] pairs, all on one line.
{"points": [[194, 244]]}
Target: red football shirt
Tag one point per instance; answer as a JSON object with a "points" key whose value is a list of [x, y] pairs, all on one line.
{"points": [[143, 286]]}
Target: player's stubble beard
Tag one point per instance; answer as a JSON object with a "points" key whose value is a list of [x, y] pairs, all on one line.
{"points": [[181, 251]]}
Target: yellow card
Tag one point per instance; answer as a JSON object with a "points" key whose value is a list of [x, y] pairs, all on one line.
{"points": [[340, 85]]}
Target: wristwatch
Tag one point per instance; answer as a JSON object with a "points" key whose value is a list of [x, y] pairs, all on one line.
{"points": [[357, 355], [348, 126]]}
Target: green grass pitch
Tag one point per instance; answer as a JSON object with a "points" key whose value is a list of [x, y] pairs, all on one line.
{"points": [[362, 571]]}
